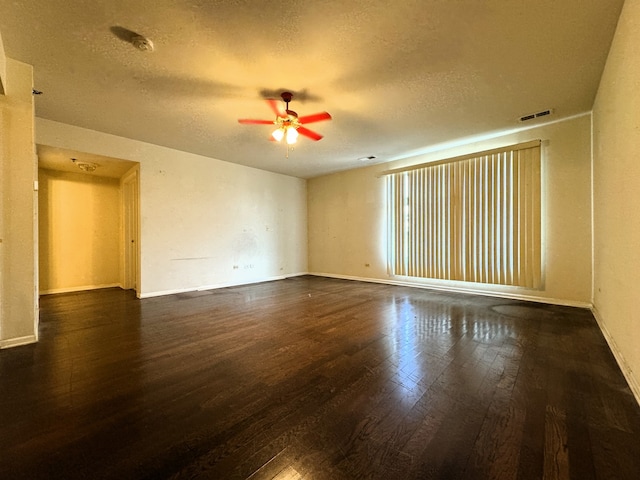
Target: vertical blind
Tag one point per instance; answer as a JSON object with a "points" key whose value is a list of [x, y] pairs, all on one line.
{"points": [[474, 218]]}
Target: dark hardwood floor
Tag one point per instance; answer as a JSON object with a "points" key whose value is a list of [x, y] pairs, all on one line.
{"points": [[314, 378]]}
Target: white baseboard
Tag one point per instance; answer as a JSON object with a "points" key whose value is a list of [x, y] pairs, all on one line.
{"points": [[218, 285], [634, 384], [78, 289], [456, 289], [300, 274], [18, 341]]}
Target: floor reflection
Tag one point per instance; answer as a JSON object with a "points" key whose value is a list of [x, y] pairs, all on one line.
{"points": [[422, 330]]}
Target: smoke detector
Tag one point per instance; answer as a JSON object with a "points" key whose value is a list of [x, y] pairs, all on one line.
{"points": [[142, 43]]}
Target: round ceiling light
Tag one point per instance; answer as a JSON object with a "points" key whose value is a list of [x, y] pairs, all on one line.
{"points": [[85, 166]]}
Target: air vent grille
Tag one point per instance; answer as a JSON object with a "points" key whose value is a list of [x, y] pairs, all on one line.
{"points": [[531, 116]]}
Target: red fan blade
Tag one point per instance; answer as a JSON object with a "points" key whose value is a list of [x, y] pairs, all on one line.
{"points": [[316, 117], [310, 134], [277, 107], [251, 121]]}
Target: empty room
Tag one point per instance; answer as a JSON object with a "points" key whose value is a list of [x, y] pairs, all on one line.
{"points": [[319, 240]]}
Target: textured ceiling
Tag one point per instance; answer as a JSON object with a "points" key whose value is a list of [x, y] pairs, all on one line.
{"points": [[396, 77]]}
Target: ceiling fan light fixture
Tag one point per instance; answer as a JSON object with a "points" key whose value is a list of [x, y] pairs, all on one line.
{"points": [[292, 135], [278, 134]]}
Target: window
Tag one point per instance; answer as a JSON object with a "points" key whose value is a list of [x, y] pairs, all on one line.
{"points": [[474, 218]]}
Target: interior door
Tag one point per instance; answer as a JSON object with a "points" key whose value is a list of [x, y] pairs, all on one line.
{"points": [[131, 240]]}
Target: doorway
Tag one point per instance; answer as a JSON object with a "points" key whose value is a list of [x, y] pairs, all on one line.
{"points": [[88, 222]]}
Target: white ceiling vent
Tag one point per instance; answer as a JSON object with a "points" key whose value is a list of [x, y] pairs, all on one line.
{"points": [[532, 116]]}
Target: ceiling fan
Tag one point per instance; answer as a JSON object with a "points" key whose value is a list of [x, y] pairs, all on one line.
{"points": [[288, 124]]}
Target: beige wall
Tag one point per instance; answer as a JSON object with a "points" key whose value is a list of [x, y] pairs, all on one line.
{"points": [[204, 223], [616, 127], [79, 231], [18, 286], [347, 216]]}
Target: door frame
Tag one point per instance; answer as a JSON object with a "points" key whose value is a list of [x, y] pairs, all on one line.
{"points": [[130, 257]]}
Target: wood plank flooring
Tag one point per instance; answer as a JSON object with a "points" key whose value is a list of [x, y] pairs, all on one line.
{"points": [[314, 378]]}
